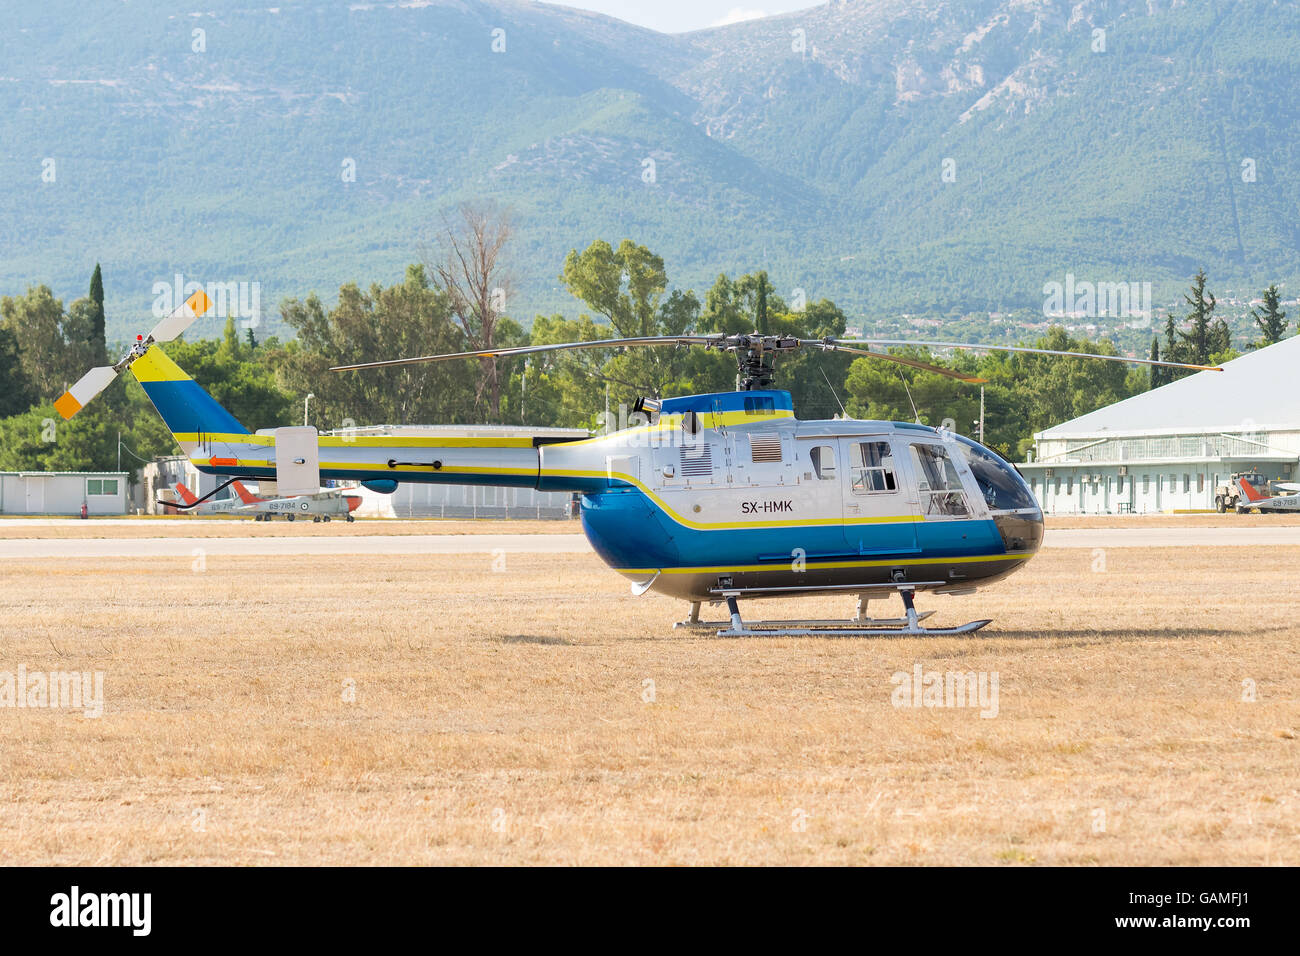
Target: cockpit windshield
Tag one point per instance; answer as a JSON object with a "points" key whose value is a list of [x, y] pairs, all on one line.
{"points": [[1000, 483]]}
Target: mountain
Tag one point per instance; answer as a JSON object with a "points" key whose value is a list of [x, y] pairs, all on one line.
{"points": [[1114, 140]]}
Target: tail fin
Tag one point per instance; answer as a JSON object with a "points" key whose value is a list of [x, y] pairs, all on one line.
{"points": [[187, 496], [185, 407], [1249, 491], [246, 496]]}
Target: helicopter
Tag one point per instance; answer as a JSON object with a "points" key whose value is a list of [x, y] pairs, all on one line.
{"points": [[715, 498]]}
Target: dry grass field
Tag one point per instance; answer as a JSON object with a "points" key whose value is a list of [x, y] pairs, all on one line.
{"points": [[345, 710]]}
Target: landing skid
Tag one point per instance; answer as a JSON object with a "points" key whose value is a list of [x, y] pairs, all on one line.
{"points": [[860, 625]]}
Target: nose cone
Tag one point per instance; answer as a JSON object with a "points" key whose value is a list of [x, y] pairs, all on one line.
{"points": [[1021, 530]]}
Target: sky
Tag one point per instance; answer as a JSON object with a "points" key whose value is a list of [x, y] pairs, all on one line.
{"points": [[678, 16]]}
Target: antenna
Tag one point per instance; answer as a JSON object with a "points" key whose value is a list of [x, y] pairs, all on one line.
{"points": [[832, 388], [915, 413]]}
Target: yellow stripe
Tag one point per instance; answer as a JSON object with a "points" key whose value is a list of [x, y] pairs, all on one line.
{"points": [[833, 565], [154, 366], [326, 441]]}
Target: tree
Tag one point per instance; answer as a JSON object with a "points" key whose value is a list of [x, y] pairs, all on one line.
{"points": [[1272, 321], [408, 319], [884, 391], [16, 393], [36, 321], [1201, 338], [1174, 349], [756, 289], [627, 287], [1155, 372], [468, 267], [97, 339]]}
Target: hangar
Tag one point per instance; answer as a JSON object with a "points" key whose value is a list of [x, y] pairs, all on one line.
{"points": [[1167, 449]]}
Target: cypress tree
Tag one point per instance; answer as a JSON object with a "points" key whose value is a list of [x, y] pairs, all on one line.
{"points": [[98, 341]]}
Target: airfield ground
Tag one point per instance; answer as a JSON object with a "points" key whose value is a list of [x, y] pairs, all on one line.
{"points": [[523, 707]]}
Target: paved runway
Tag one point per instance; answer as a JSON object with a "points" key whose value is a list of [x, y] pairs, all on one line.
{"points": [[344, 543]]}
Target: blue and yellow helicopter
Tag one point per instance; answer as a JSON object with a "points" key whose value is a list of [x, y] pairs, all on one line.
{"points": [[715, 498]]}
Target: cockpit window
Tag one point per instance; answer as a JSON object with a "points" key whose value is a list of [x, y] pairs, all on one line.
{"points": [[1000, 483], [938, 482]]}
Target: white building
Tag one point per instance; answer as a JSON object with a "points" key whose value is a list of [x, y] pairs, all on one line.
{"points": [[63, 492], [1167, 449]]}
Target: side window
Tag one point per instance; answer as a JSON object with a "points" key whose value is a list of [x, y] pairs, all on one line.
{"points": [[938, 482], [823, 461], [872, 464]]}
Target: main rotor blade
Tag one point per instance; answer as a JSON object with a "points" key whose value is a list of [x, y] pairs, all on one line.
{"points": [[87, 387], [1031, 351], [901, 360], [535, 349], [180, 318]]}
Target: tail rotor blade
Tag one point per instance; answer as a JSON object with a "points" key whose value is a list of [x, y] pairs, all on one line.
{"points": [[181, 318], [87, 387]]}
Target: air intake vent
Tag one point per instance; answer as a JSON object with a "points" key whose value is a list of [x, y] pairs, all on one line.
{"points": [[697, 460], [764, 446]]}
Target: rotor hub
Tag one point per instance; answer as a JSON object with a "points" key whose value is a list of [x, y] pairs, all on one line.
{"points": [[754, 368]]}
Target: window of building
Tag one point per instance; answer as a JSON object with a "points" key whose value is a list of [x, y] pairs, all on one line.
{"points": [[1200, 482], [1187, 483], [1119, 485], [1069, 485], [101, 486], [872, 466], [1146, 483], [823, 461], [1056, 488]]}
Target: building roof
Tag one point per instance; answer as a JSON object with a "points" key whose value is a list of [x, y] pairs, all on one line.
{"points": [[1260, 390]]}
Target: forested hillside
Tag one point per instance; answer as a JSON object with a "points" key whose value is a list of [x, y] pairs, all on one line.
{"points": [[919, 157]]}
